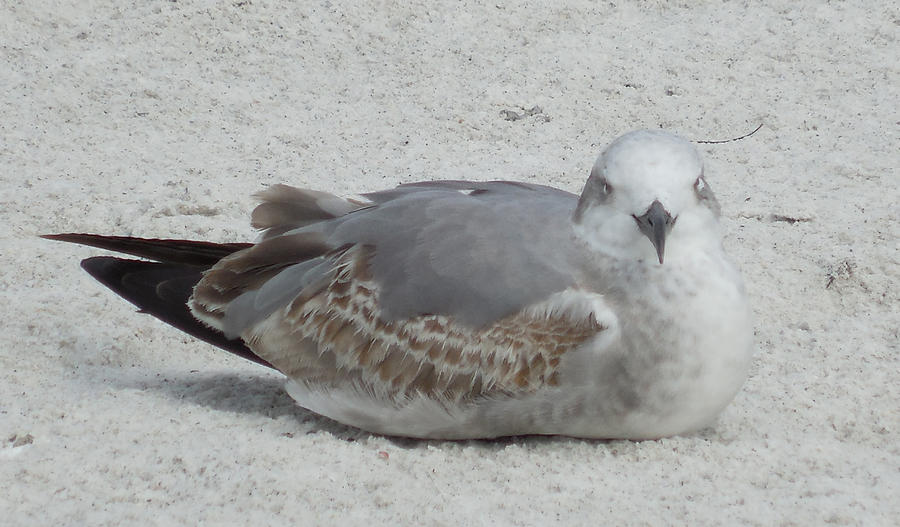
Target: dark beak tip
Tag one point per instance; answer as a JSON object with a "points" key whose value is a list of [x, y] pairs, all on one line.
{"points": [[655, 224]]}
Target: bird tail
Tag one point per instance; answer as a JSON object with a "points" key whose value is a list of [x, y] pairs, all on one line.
{"points": [[161, 287]]}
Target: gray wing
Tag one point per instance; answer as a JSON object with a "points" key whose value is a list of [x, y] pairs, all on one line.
{"points": [[475, 252]]}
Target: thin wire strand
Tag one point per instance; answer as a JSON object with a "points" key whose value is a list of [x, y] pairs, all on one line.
{"points": [[730, 140]]}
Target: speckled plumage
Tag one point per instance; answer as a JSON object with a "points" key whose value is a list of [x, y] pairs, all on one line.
{"points": [[463, 309]]}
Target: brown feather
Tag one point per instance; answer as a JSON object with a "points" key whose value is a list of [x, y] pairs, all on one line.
{"points": [[345, 342]]}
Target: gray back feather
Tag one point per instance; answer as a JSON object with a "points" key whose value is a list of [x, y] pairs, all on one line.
{"points": [[475, 251]]}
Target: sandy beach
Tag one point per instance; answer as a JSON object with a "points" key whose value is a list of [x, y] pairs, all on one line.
{"points": [[163, 118]]}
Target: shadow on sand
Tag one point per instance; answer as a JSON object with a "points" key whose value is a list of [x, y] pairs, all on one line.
{"points": [[263, 394]]}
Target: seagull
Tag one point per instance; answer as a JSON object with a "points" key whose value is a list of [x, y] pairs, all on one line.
{"points": [[463, 310]]}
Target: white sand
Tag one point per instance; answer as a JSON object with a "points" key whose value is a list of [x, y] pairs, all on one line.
{"points": [[162, 118]]}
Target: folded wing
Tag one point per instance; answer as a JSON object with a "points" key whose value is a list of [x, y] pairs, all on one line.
{"points": [[401, 296]]}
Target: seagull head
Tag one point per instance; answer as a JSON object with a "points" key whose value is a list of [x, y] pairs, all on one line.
{"points": [[647, 189]]}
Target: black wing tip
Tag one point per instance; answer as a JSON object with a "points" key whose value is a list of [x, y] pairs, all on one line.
{"points": [[144, 284], [71, 237], [190, 252], [109, 270], [160, 288]]}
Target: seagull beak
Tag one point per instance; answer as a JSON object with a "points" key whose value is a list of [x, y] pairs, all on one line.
{"points": [[655, 224]]}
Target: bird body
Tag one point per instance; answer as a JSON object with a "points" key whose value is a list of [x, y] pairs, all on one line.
{"points": [[458, 309]]}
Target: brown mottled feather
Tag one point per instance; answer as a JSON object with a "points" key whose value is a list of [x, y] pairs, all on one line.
{"points": [[334, 338]]}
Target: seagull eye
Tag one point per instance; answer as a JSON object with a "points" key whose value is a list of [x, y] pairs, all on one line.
{"points": [[701, 188], [700, 184], [705, 195], [605, 187]]}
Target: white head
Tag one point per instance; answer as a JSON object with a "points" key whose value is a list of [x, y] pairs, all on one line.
{"points": [[646, 193]]}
